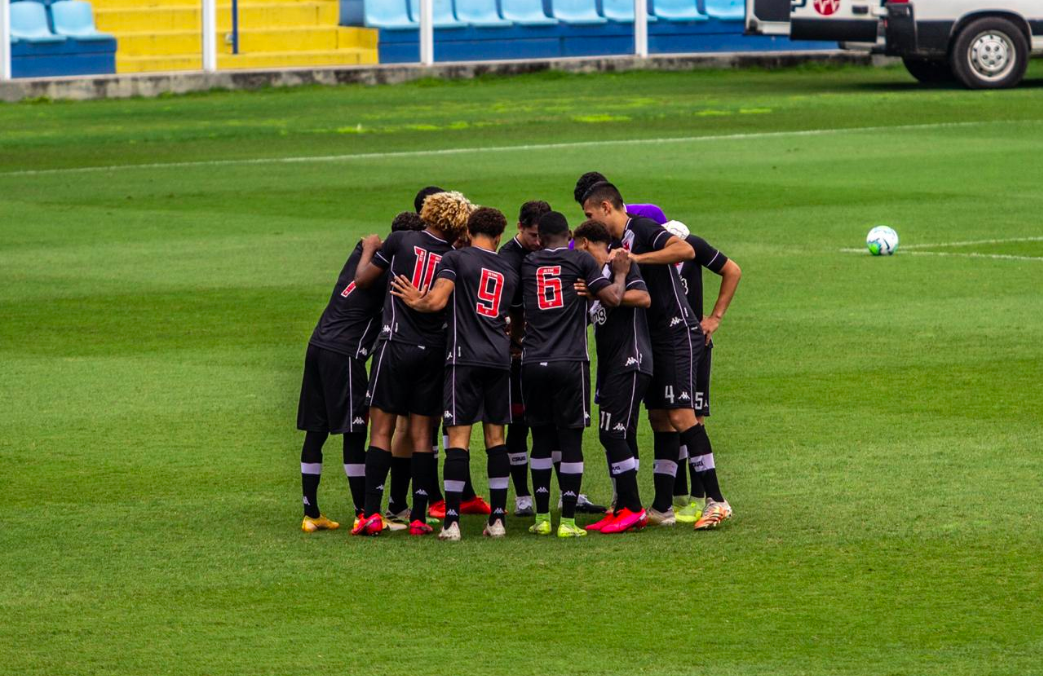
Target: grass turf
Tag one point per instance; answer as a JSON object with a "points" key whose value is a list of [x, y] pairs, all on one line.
{"points": [[877, 421]]}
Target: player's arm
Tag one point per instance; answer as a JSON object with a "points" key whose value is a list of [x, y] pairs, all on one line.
{"points": [[610, 293], [432, 301], [675, 250], [730, 274], [369, 269], [636, 294]]}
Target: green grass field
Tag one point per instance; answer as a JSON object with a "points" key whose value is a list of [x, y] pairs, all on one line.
{"points": [[877, 424]]}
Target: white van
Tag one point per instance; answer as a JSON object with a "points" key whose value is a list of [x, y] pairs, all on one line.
{"points": [[985, 44]]}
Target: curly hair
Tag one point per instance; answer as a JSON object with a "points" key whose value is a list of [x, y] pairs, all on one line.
{"points": [[407, 220], [447, 211], [585, 183], [594, 231], [487, 221]]}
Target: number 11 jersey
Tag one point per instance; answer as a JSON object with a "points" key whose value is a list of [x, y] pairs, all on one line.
{"points": [[415, 254], [484, 285], [555, 315]]}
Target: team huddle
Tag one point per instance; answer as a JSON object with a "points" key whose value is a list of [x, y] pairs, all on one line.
{"points": [[460, 331]]}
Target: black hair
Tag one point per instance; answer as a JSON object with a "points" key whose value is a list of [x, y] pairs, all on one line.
{"points": [[585, 183], [531, 212], [604, 192], [486, 221], [553, 224], [593, 231], [418, 201], [407, 220]]}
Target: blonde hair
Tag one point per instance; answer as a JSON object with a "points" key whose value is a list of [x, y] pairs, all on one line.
{"points": [[447, 211]]}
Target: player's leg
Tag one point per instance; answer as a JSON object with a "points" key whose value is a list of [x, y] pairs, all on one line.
{"points": [[386, 402], [536, 389], [701, 459], [423, 471], [617, 420], [696, 500], [313, 421], [457, 468], [353, 417], [397, 514], [571, 402], [496, 413], [355, 468], [436, 505], [518, 446]]}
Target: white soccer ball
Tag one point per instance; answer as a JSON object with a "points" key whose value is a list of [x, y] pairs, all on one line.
{"points": [[882, 241], [677, 229]]}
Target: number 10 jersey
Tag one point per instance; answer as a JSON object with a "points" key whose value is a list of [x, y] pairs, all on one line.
{"points": [[415, 255]]}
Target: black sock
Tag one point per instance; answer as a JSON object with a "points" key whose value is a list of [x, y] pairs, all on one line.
{"points": [[457, 467], [436, 485], [543, 440], [468, 492], [378, 463], [518, 453], [424, 469], [681, 480], [311, 471], [401, 473], [632, 443], [499, 466], [698, 491], [623, 470], [355, 468], [702, 463], [666, 446], [570, 472]]}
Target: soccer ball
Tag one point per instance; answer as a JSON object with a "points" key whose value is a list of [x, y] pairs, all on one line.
{"points": [[677, 229], [882, 241]]}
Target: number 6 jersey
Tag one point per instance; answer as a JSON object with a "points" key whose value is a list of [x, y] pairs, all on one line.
{"points": [[484, 285], [555, 315], [415, 254]]}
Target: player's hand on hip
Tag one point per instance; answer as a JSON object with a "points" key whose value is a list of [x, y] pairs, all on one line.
{"points": [[709, 324]]}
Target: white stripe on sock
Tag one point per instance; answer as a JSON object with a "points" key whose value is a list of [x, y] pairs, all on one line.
{"points": [[662, 466], [518, 459], [355, 470], [454, 486], [541, 463], [311, 468], [572, 468], [702, 463], [499, 483]]}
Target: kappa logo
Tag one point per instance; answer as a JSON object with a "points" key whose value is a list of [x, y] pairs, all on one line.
{"points": [[363, 351], [684, 396], [619, 428], [451, 512], [306, 501], [358, 421], [827, 7], [380, 488], [447, 415], [568, 494], [631, 361], [542, 489], [675, 321], [419, 492], [386, 328]]}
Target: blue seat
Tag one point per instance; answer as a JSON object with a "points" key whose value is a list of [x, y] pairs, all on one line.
{"points": [[29, 23], [74, 19], [442, 14], [678, 10], [621, 11], [481, 13], [526, 13], [726, 10], [387, 14], [581, 12]]}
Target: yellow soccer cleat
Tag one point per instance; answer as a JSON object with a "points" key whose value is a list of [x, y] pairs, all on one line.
{"points": [[713, 515], [542, 525], [310, 525], [691, 512], [568, 529]]}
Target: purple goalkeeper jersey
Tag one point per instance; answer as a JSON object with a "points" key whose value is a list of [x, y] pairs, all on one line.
{"points": [[649, 211]]}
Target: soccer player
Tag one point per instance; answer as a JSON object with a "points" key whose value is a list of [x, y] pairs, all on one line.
{"points": [[624, 371], [592, 178], [477, 385], [706, 512], [556, 363], [677, 339], [514, 252], [408, 363], [333, 391]]}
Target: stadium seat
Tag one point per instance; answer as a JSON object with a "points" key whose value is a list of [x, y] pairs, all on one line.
{"points": [[29, 23], [443, 14], [726, 10], [621, 11], [74, 19], [678, 10], [480, 13], [387, 14], [582, 12], [526, 13]]}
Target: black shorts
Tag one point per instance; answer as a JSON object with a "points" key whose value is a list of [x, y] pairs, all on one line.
{"points": [[557, 393], [619, 398], [474, 394], [407, 379], [517, 400], [333, 393], [702, 383], [675, 354]]}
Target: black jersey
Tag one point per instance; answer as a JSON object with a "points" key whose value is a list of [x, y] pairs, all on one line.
{"points": [[669, 305], [351, 321], [415, 254], [555, 315], [692, 271], [484, 286], [621, 333]]}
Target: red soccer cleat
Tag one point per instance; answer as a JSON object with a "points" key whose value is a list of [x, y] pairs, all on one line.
{"points": [[418, 527], [436, 510], [476, 505], [370, 525], [599, 525], [627, 520]]}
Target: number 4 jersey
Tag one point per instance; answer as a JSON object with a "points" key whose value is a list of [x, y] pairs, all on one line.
{"points": [[415, 255], [555, 315], [484, 283]]}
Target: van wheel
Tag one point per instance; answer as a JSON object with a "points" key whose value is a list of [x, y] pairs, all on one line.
{"points": [[929, 71], [990, 53]]}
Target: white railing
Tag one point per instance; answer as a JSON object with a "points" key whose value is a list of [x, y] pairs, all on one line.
{"points": [[209, 28]]}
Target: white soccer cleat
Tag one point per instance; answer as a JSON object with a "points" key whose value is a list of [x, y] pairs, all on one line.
{"points": [[713, 515], [397, 522], [523, 506], [657, 518], [495, 529], [452, 533]]}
